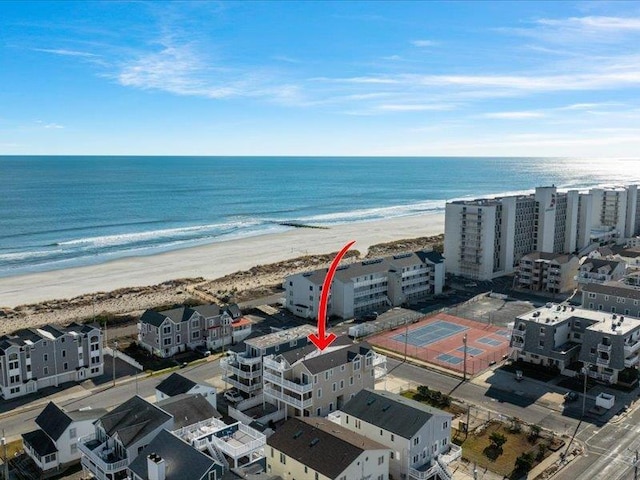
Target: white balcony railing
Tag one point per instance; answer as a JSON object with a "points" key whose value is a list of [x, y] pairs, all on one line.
{"points": [[631, 361], [243, 386], [631, 349], [288, 399], [602, 361], [235, 370], [99, 456], [454, 453], [288, 384], [272, 364], [604, 348]]}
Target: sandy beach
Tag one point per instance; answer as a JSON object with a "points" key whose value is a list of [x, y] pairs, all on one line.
{"points": [[204, 263]]}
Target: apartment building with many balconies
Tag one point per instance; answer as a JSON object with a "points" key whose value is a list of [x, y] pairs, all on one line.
{"points": [[177, 330], [369, 285], [547, 272], [243, 370], [485, 238], [35, 358], [309, 382], [569, 338]]}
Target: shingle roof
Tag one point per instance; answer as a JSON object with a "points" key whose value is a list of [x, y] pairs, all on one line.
{"points": [[40, 442], [153, 318], [390, 412], [614, 289], [183, 462], [597, 263], [210, 310], [558, 257], [175, 384], [178, 315], [133, 419], [342, 356], [292, 356], [53, 421], [234, 310], [320, 444], [188, 409]]}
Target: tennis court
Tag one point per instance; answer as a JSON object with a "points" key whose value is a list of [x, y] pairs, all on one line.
{"points": [[431, 333]]}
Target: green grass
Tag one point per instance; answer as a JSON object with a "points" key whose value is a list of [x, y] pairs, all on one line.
{"points": [[453, 409], [477, 449]]}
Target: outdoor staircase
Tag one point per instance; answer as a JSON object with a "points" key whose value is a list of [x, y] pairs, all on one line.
{"points": [[218, 456]]}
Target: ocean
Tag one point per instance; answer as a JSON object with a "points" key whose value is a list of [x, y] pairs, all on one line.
{"points": [[60, 212]]}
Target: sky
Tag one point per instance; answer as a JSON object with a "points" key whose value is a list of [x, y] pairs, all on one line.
{"points": [[320, 78]]}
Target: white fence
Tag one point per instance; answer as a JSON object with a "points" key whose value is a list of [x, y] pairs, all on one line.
{"points": [[123, 356]]}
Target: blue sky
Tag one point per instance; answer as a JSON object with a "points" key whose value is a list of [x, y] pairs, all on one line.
{"points": [[320, 78]]}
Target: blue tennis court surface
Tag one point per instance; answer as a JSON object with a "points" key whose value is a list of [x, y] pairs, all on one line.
{"points": [[471, 350], [445, 357], [504, 333], [431, 333], [489, 341]]}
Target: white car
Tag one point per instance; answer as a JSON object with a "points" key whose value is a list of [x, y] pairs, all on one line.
{"points": [[233, 396]]}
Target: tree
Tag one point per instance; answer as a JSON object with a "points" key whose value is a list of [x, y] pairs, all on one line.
{"points": [[534, 433], [497, 440], [524, 462]]}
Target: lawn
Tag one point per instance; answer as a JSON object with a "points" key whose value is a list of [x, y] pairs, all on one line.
{"points": [[451, 408], [477, 448]]}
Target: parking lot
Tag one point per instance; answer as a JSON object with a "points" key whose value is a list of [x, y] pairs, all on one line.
{"points": [[492, 311]]}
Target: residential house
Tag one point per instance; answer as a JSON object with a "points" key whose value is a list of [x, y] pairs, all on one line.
{"points": [[570, 338], [34, 358], [119, 437], [176, 384], [547, 272], [613, 297], [168, 457], [310, 382], [188, 409], [243, 370], [53, 447], [419, 436], [595, 270], [630, 256], [365, 286], [177, 330], [317, 449]]}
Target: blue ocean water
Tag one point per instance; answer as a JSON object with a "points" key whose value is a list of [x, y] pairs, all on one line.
{"points": [[59, 212]]}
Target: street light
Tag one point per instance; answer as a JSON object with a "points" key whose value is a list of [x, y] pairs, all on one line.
{"points": [[585, 371], [5, 460]]}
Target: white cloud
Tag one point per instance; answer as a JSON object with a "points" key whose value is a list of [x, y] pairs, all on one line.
{"points": [[423, 43], [66, 53], [515, 115], [594, 23], [412, 107], [55, 126]]}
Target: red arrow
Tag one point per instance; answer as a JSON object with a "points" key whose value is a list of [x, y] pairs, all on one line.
{"points": [[320, 340]]}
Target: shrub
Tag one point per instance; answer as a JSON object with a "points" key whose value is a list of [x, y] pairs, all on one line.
{"points": [[542, 448], [497, 440], [534, 433], [524, 462]]}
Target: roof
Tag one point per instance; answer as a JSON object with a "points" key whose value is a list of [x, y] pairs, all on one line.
{"points": [[234, 310], [210, 310], [292, 356], [29, 336], [278, 338], [391, 412], [187, 409], [133, 420], [178, 315], [175, 384], [183, 462], [597, 263], [153, 318], [557, 257], [313, 441], [40, 442], [341, 356], [54, 421], [613, 288]]}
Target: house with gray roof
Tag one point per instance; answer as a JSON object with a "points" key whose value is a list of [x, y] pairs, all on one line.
{"points": [[187, 409], [120, 435], [168, 457], [570, 338], [312, 448], [597, 270], [53, 447], [173, 331], [612, 297], [368, 285], [418, 436], [35, 358], [310, 382], [176, 384]]}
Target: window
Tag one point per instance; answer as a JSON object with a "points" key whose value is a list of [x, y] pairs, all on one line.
{"points": [[444, 442], [178, 338], [341, 384], [415, 458], [166, 329], [445, 425], [541, 344], [317, 477], [45, 371], [541, 330], [592, 295], [45, 358], [393, 437], [271, 452], [74, 448], [334, 386], [283, 458], [65, 366], [195, 334], [416, 441], [72, 433], [166, 341], [319, 393], [392, 456], [381, 460], [64, 353]]}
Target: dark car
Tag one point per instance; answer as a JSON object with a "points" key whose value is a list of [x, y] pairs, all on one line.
{"points": [[202, 350], [370, 316], [570, 397]]}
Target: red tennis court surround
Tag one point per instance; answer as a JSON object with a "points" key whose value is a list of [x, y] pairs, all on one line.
{"points": [[439, 339]]}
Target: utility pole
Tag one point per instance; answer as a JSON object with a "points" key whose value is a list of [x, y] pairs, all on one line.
{"points": [[466, 430], [635, 467], [406, 338], [113, 362], [585, 371], [464, 365], [5, 460]]}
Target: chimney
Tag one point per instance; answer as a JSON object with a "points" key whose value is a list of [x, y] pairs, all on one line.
{"points": [[156, 467]]}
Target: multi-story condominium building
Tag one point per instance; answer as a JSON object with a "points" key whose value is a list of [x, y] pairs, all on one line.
{"points": [[596, 270], [316, 448], [485, 238], [365, 286], [168, 457], [561, 336], [613, 297], [243, 370], [35, 358], [547, 272], [172, 331], [175, 384], [308, 382], [53, 447], [418, 436]]}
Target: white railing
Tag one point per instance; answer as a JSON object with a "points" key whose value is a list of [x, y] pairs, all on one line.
{"points": [[268, 362], [604, 348], [243, 386], [335, 417], [630, 362], [630, 349], [237, 451], [200, 429], [242, 373], [602, 361], [242, 359], [454, 453], [93, 456], [288, 384], [288, 399], [418, 475]]}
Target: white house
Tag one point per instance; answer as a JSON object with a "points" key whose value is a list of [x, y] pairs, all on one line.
{"points": [[176, 384], [418, 435], [54, 446], [315, 448]]}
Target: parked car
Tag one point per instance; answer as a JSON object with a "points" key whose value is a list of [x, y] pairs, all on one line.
{"points": [[202, 350], [570, 396], [370, 316], [233, 396]]}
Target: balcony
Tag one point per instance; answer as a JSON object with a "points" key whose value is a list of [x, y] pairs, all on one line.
{"points": [[602, 361], [604, 348], [288, 399], [631, 349], [98, 458], [631, 361], [235, 369], [242, 359], [248, 388], [288, 384]]}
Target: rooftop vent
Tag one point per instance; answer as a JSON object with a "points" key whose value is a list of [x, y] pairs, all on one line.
{"points": [[307, 274], [572, 309], [614, 316], [370, 401], [613, 327], [558, 308], [371, 262], [297, 434], [342, 267], [621, 319], [314, 442], [402, 255], [386, 407]]}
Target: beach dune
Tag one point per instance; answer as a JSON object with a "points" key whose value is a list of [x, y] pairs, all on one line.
{"points": [[211, 261]]}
